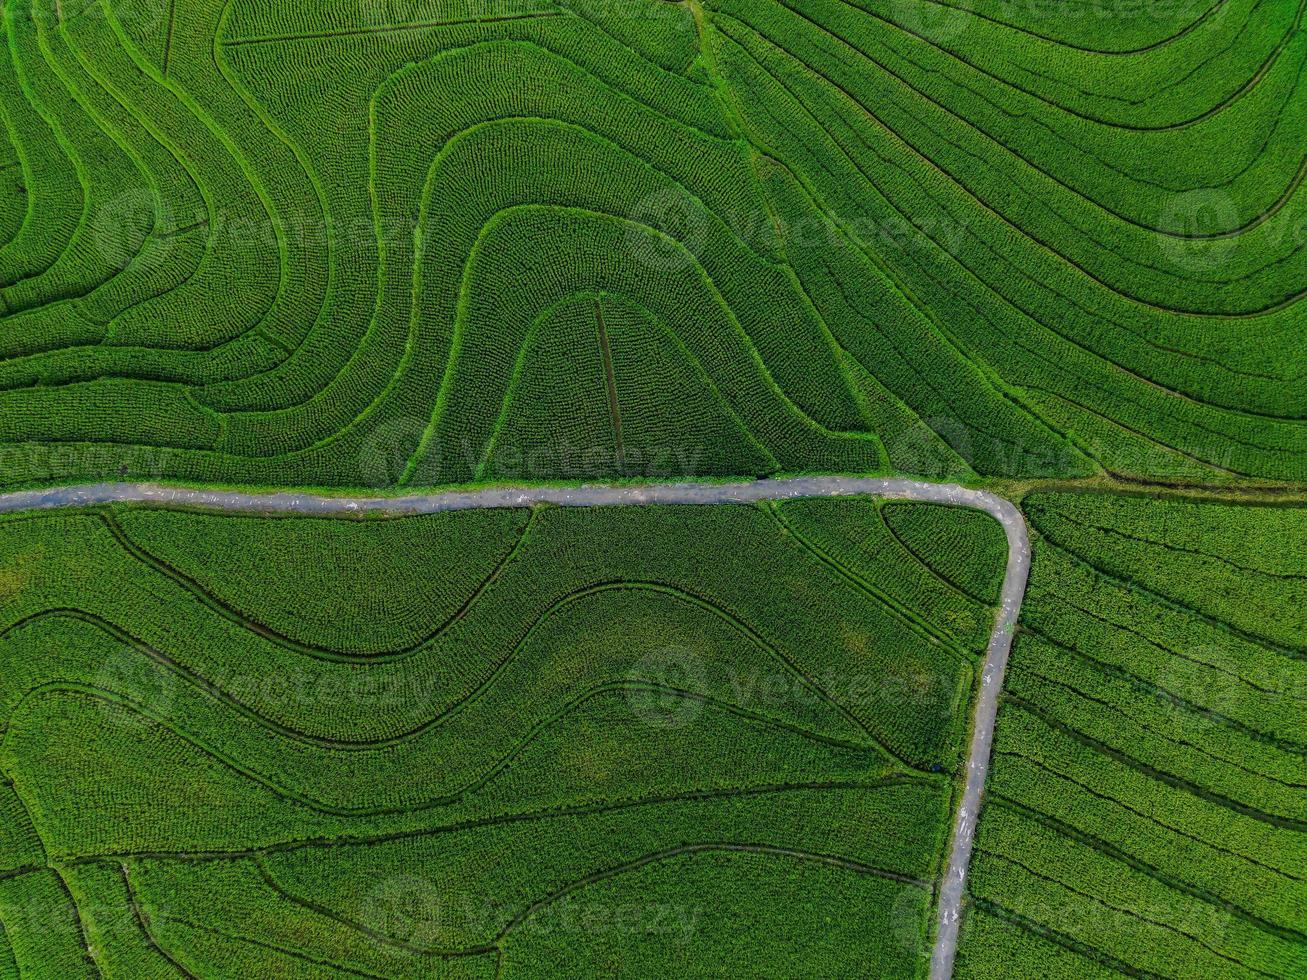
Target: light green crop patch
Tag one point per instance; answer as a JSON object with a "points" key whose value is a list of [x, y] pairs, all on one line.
{"points": [[354, 243]]}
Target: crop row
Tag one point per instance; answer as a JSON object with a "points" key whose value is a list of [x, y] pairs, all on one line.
{"points": [[1145, 810]]}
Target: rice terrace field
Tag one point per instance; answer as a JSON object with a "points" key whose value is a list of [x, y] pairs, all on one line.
{"points": [[639, 488]]}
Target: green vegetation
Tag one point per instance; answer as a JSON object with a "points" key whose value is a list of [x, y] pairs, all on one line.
{"points": [[370, 242], [1146, 812], [1027, 246], [637, 739]]}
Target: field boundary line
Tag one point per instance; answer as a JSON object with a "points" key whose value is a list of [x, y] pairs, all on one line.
{"points": [[953, 886]]}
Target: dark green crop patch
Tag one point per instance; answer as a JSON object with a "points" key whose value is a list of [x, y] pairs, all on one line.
{"points": [[648, 739]]}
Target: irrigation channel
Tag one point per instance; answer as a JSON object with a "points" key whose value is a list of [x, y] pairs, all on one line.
{"points": [[991, 677]]}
